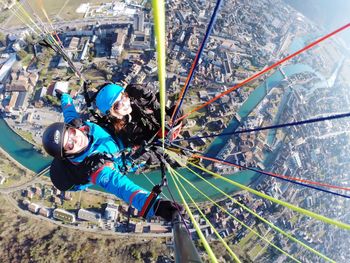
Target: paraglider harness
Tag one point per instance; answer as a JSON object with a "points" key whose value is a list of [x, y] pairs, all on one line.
{"points": [[171, 132], [96, 160], [155, 192]]}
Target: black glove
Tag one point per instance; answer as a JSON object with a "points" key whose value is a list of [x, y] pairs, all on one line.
{"points": [[166, 209], [59, 93], [76, 123], [93, 162]]}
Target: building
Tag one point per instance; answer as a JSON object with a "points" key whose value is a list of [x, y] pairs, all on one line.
{"points": [[140, 41], [30, 194], [89, 215], [2, 179], [26, 202], [38, 191], [85, 50], [158, 229], [296, 159], [151, 67], [73, 44], [67, 196], [6, 67], [71, 49], [118, 45], [44, 212], [111, 212], [139, 228], [34, 208], [139, 22], [64, 215], [40, 93]]}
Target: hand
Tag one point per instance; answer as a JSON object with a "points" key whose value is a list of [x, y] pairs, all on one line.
{"points": [[59, 93], [93, 162], [167, 209]]}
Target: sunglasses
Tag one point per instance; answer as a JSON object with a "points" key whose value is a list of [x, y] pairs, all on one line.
{"points": [[118, 104], [70, 142]]}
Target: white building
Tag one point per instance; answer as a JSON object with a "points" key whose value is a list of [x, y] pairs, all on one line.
{"points": [[118, 45], [34, 208], [296, 159], [89, 215], [2, 179], [6, 67], [64, 215], [111, 212]]}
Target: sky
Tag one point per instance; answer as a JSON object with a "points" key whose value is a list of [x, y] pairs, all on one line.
{"points": [[331, 14]]}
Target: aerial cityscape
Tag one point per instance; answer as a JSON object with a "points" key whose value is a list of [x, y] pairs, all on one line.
{"points": [[114, 41]]}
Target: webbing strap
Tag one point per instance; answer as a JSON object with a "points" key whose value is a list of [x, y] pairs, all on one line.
{"points": [[150, 201], [97, 172]]}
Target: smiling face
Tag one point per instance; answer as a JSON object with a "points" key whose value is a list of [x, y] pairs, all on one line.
{"points": [[74, 141], [121, 106]]}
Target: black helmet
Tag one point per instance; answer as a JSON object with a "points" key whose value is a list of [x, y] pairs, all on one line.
{"points": [[53, 139]]}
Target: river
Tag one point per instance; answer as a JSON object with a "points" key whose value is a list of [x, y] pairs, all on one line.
{"points": [[25, 154]]}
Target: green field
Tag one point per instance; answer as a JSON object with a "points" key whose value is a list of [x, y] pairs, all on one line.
{"points": [[56, 10]]}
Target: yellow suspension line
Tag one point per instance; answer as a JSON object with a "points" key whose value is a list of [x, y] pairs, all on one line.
{"points": [[208, 222], [153, 184], [29, 17], [159, 24], [22, 20], [239, 221], [32, 12], [285, 204], [195, 224], [45, 13], [262, 219], [48, 19]]}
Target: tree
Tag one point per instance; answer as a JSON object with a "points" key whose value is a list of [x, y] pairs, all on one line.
{"points": [[122, 57], [22, 54], [3, 38]]}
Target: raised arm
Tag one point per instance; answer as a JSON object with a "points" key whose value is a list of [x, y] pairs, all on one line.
{"points": [[68, 108]]}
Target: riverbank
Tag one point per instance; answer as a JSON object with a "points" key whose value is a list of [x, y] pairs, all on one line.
{"points": [[21, 150], [16, 163], [7, 121]]}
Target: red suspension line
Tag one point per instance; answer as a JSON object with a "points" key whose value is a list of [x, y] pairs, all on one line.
{"points": [[265, 70]]}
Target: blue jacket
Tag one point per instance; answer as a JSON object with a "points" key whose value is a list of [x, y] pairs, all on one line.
{"points": [[109, 176]]}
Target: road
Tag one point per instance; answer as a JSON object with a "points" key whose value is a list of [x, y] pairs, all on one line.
{"points": [[35, 179], [75, 23], [13, 202]]}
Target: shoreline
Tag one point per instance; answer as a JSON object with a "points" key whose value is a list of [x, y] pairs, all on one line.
{"points": [[35, 146], [15, 162]]}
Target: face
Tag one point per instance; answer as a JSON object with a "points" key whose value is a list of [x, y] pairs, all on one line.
{"points": [[121, 106], [74, 141]]}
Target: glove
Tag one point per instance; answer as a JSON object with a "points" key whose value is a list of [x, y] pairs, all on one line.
{"points": [[59, 93], [93, 162], [167, 209]]}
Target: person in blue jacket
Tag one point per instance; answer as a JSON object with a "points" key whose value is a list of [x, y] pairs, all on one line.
{"points": [[133, 115], [85, 154]]}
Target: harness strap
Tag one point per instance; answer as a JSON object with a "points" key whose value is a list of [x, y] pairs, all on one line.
{"points": [[96, 173], [150, 201], [133, 195]]}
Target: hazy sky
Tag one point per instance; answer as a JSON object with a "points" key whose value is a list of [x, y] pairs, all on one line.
{"points": [[331, 14]]}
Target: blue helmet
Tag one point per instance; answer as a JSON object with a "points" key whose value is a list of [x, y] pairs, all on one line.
{"points": [[107, 96]]}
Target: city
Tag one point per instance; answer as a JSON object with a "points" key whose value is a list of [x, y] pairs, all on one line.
{"points": [[247, 36]]}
